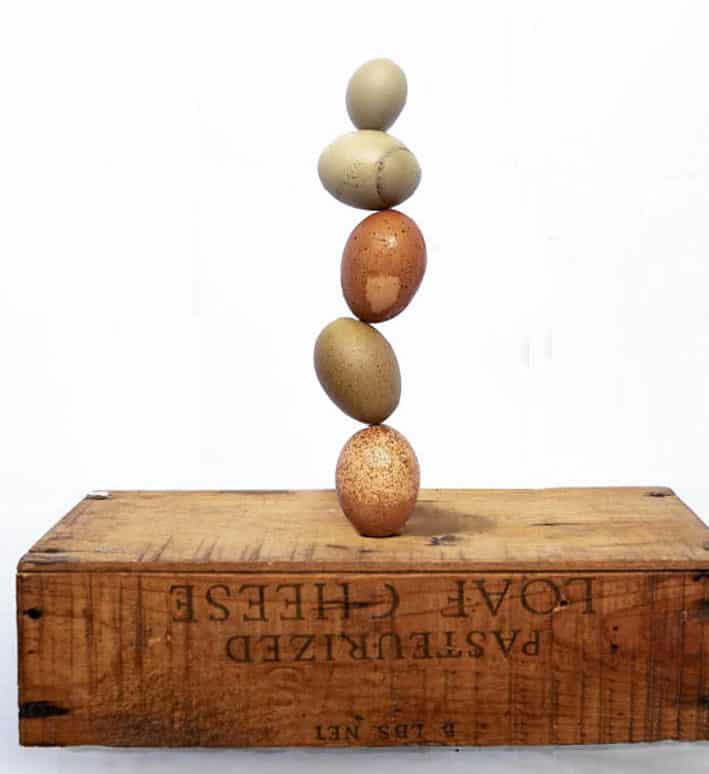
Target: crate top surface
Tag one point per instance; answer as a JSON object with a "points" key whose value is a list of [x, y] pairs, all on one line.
{"points": [[302, 531]]}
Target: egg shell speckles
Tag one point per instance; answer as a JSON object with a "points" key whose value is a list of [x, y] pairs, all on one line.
{"points": [[377, 481], [383, 263]]}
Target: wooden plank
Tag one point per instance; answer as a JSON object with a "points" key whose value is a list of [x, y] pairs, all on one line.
{"points": [[331, 659], [549, 530]]}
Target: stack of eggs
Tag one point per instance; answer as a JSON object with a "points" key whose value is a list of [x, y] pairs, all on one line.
{"points": [[383, 263]]}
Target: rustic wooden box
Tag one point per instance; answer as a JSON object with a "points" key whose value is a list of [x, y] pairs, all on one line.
{"points": [[565, 616]]}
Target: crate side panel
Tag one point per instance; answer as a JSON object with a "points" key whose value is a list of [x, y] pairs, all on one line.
{"points": [[360, 659]]}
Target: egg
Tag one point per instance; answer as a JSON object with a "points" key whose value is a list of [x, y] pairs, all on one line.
{"points": [[358, 370], [369, 169], [377, 480], [383, 263], [376, 94]]}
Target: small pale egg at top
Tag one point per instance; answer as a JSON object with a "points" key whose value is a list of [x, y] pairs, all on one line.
{"points": [[376, 94], [383, 264], [377, 480], [369, 169]]}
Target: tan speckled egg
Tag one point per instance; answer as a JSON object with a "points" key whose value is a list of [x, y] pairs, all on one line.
{"points": [[383, 264], [370, 170], [377, 481], [376, 94], [358, 369]]}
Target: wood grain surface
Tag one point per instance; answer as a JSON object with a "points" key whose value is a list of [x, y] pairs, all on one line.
{"points": [[601, 528], [227, 619]]}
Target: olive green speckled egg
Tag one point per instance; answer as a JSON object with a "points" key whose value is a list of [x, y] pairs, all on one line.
{"points": [[358, 369]]}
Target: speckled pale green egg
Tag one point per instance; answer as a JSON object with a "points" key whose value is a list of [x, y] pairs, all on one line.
{"points": [[358, 370], [376, 94], [369, 169], [377, 480]]}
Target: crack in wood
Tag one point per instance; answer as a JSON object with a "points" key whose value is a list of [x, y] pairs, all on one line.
{"points": [[41, 709], [557, 524], [443, 540]]}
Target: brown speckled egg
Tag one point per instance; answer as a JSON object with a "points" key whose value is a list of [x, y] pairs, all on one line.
{"points": [[382, 265], [377, 480]]}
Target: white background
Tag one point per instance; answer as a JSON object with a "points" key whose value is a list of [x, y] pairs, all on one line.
{"points": [[168, 257]]}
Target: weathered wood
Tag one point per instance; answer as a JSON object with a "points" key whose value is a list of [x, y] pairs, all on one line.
{"points": [[499, 617], [560, 529]]}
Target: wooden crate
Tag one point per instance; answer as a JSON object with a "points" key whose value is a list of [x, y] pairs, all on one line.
{"points": [[566, 616]]}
